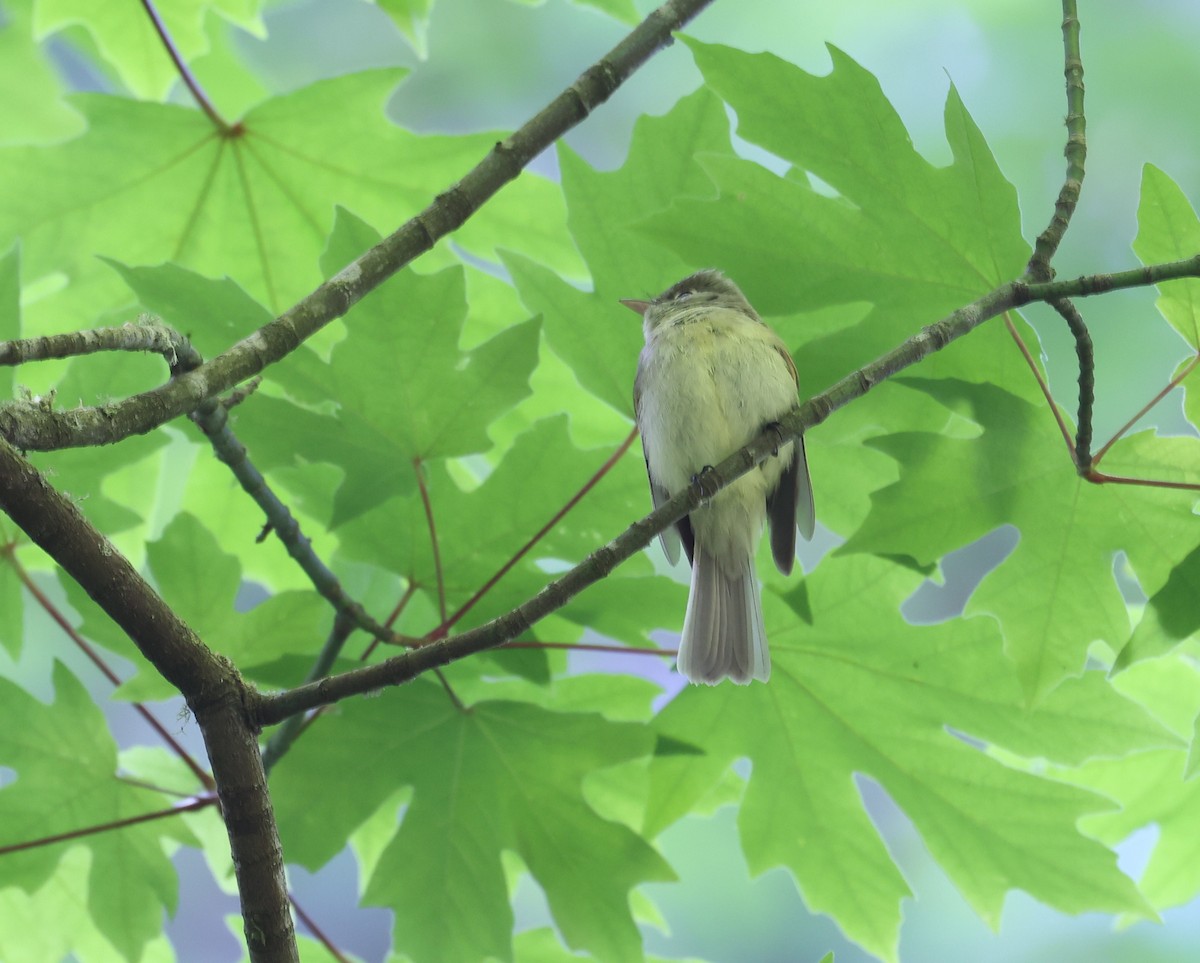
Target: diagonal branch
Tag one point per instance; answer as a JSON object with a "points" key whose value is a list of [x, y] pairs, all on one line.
{"points": [[30, 428], [271, 709], [212, 418]]}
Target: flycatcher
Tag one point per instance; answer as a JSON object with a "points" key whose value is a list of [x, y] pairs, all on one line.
{"points": [[710, 378]]}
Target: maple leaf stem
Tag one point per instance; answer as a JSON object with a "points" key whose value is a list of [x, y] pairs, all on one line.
{"points": [[400, 606], [9, 553], [1171, 385], [431, 524], [537, 536], [185, 74], [193, 804], [1037, 376], [1100, 478], [311, 925]]}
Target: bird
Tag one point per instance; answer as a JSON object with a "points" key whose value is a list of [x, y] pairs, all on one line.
{"points": [[711, 377]]}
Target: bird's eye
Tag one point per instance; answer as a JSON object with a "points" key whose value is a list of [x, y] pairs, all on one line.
{"points": [[684, 294]]}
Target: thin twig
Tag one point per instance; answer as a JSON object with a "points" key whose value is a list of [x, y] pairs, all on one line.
{"points": [[283, 737], [1090, 285], [1087, 380], [147, 334], [185, 74], [240, 393], [1039, 268], [212, 418]]}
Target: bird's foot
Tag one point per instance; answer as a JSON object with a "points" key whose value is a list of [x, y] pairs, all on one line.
{"points": [[780, 435], [706, 482]]}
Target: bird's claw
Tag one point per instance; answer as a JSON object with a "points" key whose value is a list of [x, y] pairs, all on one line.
{"points": [[706, 482]]}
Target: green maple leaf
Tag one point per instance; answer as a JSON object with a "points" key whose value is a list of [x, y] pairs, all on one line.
{"points": [[82, 472], [255, 204], [32, 108], [920, 236], [499, 776], [201, 582], [862, 691], [913, 240], [1148, 786], [1168, 230], [405, 392], [66, 765], [211, 314], [590, 330], [1056, 593]]}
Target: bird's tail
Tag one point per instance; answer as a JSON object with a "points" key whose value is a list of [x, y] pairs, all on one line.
{"points": [[723, 634]]}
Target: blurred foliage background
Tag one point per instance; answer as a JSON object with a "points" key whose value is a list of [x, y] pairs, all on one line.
{"points": [[487, 64]]}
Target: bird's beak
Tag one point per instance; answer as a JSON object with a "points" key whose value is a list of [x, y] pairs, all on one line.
{"points": [[638, 306]]}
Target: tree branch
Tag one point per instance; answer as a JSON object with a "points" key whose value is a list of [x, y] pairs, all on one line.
{"points": [[30, 428], [214, 691], [147, 334], [212, 418], [1039, 268], [1082, 449], [283, 737], [271, 709]]}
